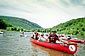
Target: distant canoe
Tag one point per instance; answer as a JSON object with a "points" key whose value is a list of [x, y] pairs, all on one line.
{"points": [[74, 40]]}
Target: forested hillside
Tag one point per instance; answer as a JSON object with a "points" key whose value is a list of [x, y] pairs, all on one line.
{"points": [[74, 26], [20, 22]]}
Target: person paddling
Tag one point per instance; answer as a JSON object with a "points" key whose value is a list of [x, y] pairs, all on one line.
{"points": [[35, 36], [53, 37], [69, 37]]}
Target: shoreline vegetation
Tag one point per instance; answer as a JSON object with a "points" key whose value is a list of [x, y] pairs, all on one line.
{"points": [[74, 26]]}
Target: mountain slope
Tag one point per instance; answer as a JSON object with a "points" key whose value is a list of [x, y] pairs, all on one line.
{"points": [[75, 26], [20, 22]]}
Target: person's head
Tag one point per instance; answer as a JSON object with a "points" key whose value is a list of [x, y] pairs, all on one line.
{"points": [[54, 31], [35, 31]]}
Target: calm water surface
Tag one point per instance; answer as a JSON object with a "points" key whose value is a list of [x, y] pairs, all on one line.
{"points": [[12, 44]]}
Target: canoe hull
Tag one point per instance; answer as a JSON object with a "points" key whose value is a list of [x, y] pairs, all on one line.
{"points": [[69, 48]]}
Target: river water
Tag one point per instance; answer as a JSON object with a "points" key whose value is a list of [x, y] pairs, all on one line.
{"points": [[13, 44]]}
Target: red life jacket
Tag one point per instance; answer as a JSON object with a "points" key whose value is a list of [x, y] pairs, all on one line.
{"points": [[54, 38]]}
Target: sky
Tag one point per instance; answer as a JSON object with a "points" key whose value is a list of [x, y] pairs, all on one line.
{"points": [[46, 13]]}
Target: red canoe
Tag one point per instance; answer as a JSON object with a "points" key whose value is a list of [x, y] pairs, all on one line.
{"points": [[69, 48], [74, 40]]}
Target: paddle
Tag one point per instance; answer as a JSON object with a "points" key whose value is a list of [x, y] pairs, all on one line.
{"points": [[42, 37], [62, 41], [45, 39]]}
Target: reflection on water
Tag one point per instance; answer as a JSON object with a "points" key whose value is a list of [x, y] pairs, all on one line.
{"points": [[12, 44], [51, 52]]}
